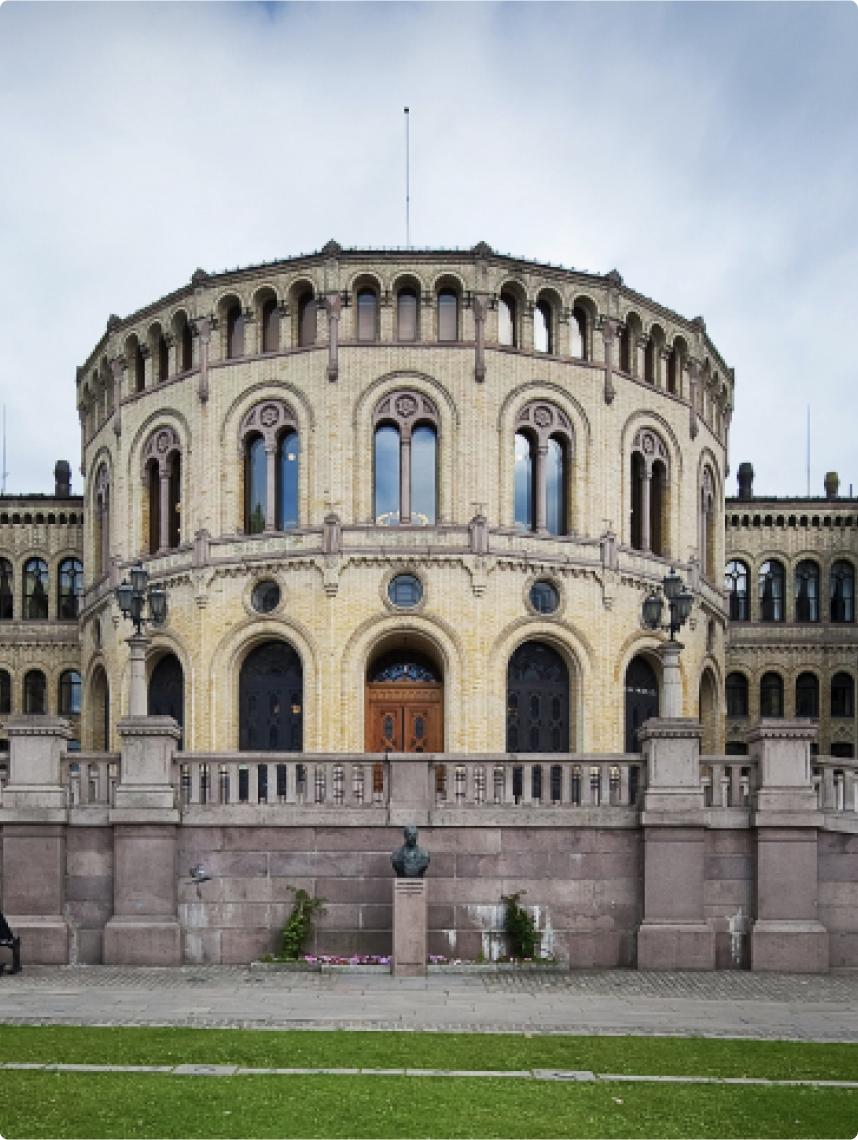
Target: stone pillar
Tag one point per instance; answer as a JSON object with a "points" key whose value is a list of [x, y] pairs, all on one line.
{"points": [[117, 367], [33, 818], [787, 934], [163, 511], [671, 680], [333, 307], [410, 794], [405, 477], [204, 331], [646, 500], [409, 928], [480, 310], [270, 485], [138, 702], [144, 929], [674, 934], [540, 506], [608, 331]]}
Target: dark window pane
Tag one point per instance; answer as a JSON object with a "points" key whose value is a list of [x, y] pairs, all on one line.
{"points": [[70, 686], [807, 695], [423, 475], [842, 592], [771, 695], [36, 590], [234, 332], [736, 582], [448, 315], [256, 482], [542, 327], [842, 695], [6, 596], [34, 693], [289, 455], [737, 695], [265, 596], [405, 590], [307, 320], [807, 591], [5, 692], [406, 315], [386, 497], [771, 587], [555, 488], [270, 326], [70, 589], [506, 320], [578, 334], [523, 482], [544, 597], [174, 502], [367, 310]]}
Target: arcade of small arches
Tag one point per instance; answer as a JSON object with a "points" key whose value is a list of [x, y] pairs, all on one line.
{"points": [[36, 694], [408, 451], [818, 594], [36, 601], [775, 698]]}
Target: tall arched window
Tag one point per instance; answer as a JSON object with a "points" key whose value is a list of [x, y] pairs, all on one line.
{"points": [[842, 589], [771, 588], [771, 695], [5, 692], [624, 354], [578, 333], [736, 689], [672, 371], [270, 700], [69, 693], [706, 523], [842, 695], [234, 318], [162, 478], [649, 485], [736, 584], [6, 590], [163, 359], [642, 700], [649, 361], [537, 700], [167, 689], [139, 368], [271, 448], [307, 309], [543, 331], [70, 589], [543, 462], [807, 591], [405, 460], [406, 314], [184, 337], [367, 313], [98, 708], [807, 695], [35, 693], [507, 321], [269, 317], [102, 519], [35, 589], [448, 315]]}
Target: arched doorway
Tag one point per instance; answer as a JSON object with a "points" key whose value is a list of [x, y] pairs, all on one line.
{"points": [[271, 700], [404, 703], [708, 713], [641, 699], [167, 691], [537, 700]]}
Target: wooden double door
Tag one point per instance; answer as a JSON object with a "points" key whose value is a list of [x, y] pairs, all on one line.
{"points": [[405, 717]]}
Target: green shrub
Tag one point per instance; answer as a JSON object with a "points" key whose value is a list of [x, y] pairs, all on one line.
{"points": [[521, 932], [299, 924]]}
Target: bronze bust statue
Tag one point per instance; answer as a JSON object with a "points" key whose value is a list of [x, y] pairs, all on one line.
{"points": [[410, 861]]}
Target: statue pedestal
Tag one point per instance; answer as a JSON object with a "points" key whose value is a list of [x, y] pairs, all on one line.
{"points": [[409, 928]]}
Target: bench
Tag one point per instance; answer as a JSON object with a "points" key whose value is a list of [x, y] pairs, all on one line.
{"points": [[7, 938]]}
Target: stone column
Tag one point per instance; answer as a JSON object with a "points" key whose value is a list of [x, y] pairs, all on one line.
{"points": [[409, 928], [118, 367], [270, 485], [163, 511], [646, 499], [671, 680], [787, 934], [333, 307], [137, 695], [608, 332], [405, 476], [480, 309], [204, 332], [33, 818], [540, 506], [674, 934]]}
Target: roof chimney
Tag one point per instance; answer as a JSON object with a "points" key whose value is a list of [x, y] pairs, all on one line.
{"points": [[746, 480], [832, 484], [62, 479]]}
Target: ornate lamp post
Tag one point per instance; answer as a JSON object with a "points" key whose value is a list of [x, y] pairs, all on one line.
{"points": [[142, 604], [679, 600]]}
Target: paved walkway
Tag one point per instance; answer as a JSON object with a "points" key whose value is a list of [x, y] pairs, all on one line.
{"points": [[726, 1004]]}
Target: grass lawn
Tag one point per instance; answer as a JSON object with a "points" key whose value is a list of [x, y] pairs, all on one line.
{"points": [[150, 1105]]}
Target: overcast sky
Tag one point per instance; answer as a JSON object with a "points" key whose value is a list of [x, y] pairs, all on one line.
{"points": [[707, 151]]}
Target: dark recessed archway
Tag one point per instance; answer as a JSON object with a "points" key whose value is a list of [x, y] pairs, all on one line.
{"points": [[271, 699]]}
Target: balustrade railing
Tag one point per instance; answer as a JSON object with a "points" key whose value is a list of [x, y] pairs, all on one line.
{"points": [[727, 781], [90, 777], [836, 781], [538, 781], [265, 778]]}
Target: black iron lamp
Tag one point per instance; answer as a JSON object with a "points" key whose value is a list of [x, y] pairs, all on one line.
{"points": [[134, 595], [679, 601]]}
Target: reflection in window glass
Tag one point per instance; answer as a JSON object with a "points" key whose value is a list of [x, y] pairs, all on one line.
{"points": [[6, 605], [523, 481], [406, 315], [405, 590], [367, 308], [387, 475], [506, 320], [542, 328], [307, 320], [289, 456], [256, 479], [423, 475], [555, 506], [544, 596], [448, 317], [70, 686]]}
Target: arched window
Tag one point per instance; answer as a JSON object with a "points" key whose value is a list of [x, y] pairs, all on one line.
{"points": [[35, 589], [69, 694], [807, 695], [642, 701], [162, 477], [6, 590], [448, 315], [35, 693], [672, 371], [270, 700], [842, 695], [102, 519], [367, 314], [269, 315], [139, 369], [807, 591], [737, 695], [649, 474], [406, 314], [507, 321], [98, 708], [167, 689], [649, 361], [184, 335], [624, 355], [543, 331], [842, 591], [578, 333], [771, 589], [234, 330], [5, 692], [405, 460], [543, 462], [736, 584], [307, 309], [771, 695], [70, 589], [537, 700], [707, 524], [163, 359], [272, 453]]}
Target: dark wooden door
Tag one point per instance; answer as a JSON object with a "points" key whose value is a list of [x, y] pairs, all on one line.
{"points": [[404, 717]]}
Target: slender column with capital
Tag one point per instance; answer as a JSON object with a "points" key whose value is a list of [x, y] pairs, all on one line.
{"points": [[118, 367], [270, 485], [333, 306], [608, 339], [405, 478], [204, 332], [693, 377], [541, 504], [480, 308], [137, 702], [646, 497], [164, 511], [671, 680]]}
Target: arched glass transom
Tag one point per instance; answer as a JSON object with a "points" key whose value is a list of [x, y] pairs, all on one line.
{"points": [[736, 584]]}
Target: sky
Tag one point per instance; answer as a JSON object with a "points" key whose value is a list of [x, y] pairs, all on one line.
{"points": [[708, 151]]}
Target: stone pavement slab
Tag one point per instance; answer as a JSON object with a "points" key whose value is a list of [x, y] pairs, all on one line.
{"points": [[721, 1004]]}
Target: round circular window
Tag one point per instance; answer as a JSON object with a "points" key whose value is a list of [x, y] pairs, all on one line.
{"points": [[405, 590], [265, 596], [544, 596]]}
